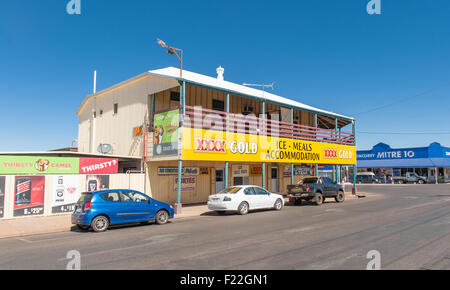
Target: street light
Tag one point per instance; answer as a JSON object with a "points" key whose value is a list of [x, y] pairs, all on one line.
{"points": [[172, 51]]}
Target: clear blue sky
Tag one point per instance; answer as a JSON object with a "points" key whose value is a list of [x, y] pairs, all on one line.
{"points": [[329, 54]]}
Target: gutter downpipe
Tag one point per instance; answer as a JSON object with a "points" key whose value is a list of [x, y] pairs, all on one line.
{"points": [[292, 164], [315, 125], [94, 114], [226, 162], [178, 205], [354, 166], [263, 183]]}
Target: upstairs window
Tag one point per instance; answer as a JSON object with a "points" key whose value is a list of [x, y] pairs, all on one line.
{"points": [[175, 96], [116, 108]]}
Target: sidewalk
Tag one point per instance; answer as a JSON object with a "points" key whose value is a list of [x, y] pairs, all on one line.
{"points": [[61, 223]]}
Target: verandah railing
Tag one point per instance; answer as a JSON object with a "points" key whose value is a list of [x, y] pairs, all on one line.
{"points": [[201, 118]]}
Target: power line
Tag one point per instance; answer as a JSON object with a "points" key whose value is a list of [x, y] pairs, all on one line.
{"points": [[404, 99]]}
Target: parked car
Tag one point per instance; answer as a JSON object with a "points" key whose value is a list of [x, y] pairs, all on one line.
{"points": [[410, 177], [315, 189], [243, 198], [100, 209], [367, 177]]}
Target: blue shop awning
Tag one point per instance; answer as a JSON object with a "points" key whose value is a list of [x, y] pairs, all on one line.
{"points": [[398, 163], [441, 162]]}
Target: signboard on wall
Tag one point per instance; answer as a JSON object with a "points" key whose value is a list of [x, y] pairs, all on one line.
{"points": [[203, 145], [38, 165], [302, 170], [174, 171], [65, 193], [2, 195], [43, 165], [137, 131], [187, 183], [99, 165], [29, 195], [256, 170], [240, 170], [287, 171], [97, 182], [165, 133]]}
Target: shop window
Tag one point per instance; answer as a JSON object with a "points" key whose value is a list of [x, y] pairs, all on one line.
{"points": [[175, 96]]}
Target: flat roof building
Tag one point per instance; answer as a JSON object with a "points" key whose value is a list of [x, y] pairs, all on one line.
{"points": [[432, 161]]}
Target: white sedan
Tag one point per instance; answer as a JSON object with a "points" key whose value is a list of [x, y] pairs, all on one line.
{"points": [[244, 198]]}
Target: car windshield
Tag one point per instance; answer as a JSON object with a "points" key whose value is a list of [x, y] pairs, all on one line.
{"points": [[229, 190], [309, 180]]}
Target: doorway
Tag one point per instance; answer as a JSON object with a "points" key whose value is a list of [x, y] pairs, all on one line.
{"points": [[274, 181], [220, 182]]}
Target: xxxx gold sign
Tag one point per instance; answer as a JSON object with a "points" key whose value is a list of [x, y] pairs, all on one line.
{"points": [[206, 145]]}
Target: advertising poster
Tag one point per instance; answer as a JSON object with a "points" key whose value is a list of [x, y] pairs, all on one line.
{"points": [[29, 195], [187, 183], [65, 193], [165, 133], [97, 182], [99, 165], [2, 195], [38, 165]]}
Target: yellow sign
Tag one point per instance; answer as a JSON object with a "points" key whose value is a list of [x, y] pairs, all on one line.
{"points": [[208, 145]]}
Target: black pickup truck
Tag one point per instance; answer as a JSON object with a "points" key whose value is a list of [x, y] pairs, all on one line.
{"points": [[315, 189]]}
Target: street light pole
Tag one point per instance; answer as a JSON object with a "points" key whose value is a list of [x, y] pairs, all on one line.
{"points": [[172, 50]]}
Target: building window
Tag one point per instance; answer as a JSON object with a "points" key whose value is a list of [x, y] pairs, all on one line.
{"points": [[116, 108], [218, 105], [101, 113], [175, 96]]}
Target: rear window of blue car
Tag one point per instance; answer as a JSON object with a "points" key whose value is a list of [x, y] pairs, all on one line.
{"points": [[110, 196], [85, 197]]}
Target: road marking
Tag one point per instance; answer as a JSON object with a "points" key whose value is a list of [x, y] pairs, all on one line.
{"points": [[298, 230], [24, 240]]}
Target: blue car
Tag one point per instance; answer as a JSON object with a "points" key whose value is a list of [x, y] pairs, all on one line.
{"points": [[100, 209]]}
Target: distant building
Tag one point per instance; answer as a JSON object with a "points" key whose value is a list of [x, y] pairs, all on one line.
{"points": [[425, 161]]}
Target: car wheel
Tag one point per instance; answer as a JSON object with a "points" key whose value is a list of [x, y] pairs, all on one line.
{"points": [[340, 197], [318, 199], [421, 181], [243, 208], [162, 217], [297, 201], [100, 223], [278, 204], [400, 182], [83, 227]]}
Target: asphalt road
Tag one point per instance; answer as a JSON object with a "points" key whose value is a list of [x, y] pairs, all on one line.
{"points": [[409, 225]]}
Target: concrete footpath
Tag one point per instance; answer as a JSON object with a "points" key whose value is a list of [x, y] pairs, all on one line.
{"points": [[61, 223]]}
